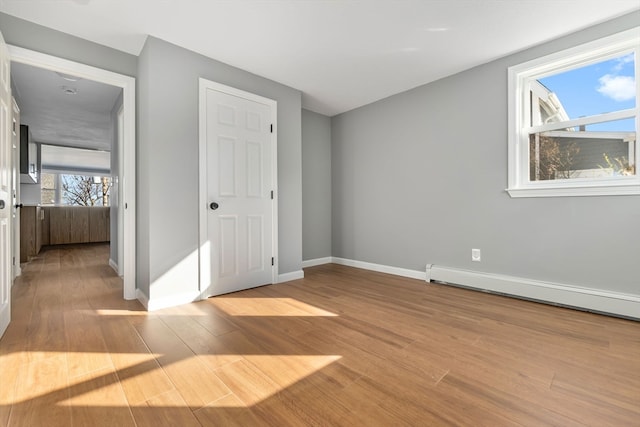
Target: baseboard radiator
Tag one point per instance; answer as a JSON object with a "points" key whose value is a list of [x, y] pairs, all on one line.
{"points": [[586, 299]]}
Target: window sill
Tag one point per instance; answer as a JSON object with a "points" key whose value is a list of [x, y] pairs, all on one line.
{"points": [[576, 191]]}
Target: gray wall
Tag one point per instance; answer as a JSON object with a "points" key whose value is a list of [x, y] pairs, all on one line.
{"points": [[168, 164], [25, 34], [316, 185], [420, 177], [31, 194], [143, 168]]}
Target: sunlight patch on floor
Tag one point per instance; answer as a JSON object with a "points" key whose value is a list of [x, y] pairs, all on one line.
{"points": [[252, 378], [119, 312], [97, 389], [256, 378], [234, 306]]}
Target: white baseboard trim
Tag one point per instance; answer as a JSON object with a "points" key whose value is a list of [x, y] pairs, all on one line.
{"points": [[114, 265], [404, 272], [317, 261], [142, 297], [287, 277], [596, 300], [168, 301]]}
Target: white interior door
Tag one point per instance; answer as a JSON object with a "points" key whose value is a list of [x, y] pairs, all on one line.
{"points": [[239, 177], [6, 154]]}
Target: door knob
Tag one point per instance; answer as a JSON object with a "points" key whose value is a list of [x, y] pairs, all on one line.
{"points": [[19, 205], [214, 206]]}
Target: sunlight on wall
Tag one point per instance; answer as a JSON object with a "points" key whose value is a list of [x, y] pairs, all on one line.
{"points": [[182, 276]]}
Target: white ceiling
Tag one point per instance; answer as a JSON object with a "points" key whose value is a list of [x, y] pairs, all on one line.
{"points": [[340, 54], [82, 119]]}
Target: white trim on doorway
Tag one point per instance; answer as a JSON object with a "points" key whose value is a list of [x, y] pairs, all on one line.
{"points": [[120, 201], [127, 175]]}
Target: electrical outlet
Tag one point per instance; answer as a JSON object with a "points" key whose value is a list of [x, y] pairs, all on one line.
{"points": [[475, 255]]}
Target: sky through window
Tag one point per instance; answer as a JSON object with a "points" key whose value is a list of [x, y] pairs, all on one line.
{"points": [[602, 87]]}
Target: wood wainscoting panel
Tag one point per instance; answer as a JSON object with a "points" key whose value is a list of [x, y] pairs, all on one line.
{"points": [[27, 232], [99, 224], [59, 226], [78, 224], [45, 235]]}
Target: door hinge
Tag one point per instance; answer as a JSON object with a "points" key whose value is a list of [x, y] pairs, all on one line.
{"points": [[272, 128], [271, 194], [14, 260], [273, 261]]}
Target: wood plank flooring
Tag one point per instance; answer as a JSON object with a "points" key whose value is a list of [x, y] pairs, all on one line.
{"points": [[342, 347]]}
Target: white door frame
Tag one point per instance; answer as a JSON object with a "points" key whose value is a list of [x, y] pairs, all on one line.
{"points": [[120, 160], [126, 175], [204, 248], [15, 173]]}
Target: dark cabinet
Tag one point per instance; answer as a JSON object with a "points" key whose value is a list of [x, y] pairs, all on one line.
{"points": [[29, 157]]}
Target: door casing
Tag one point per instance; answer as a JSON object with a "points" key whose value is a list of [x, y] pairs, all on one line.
{"points": [[15, 173]]}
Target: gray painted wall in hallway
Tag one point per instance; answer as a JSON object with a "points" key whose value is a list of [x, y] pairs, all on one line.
{"points": [[419, 178], [168, 163], [28, 35], [316, 185], [143, 99]]}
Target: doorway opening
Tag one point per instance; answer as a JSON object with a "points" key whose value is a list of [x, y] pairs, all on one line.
{"points": [[113, 185]]}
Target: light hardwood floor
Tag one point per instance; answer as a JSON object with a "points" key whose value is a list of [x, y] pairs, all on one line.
{"points": [[342, 347]]}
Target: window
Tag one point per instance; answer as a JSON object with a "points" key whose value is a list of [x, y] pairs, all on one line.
{"points": [[573, 118], [75, 176], [49, 186], [75, 190]]}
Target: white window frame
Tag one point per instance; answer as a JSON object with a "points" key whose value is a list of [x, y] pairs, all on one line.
{"points": [[518, 109]]}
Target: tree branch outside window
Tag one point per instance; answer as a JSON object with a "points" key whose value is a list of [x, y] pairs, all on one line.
{"points": [[85, 191]]}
